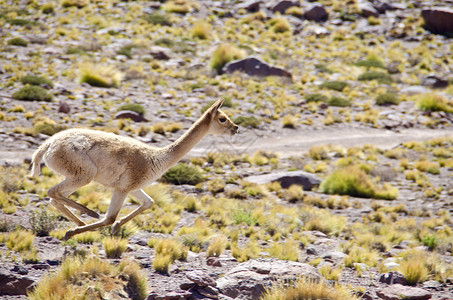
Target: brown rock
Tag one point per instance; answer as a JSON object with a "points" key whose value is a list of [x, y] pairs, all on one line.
{"points": [[398, 291], [316, 12], [128, 114], [286, 179], [252, 6], [209, 291], [439, 20], [250, 279], [160, 53], [64, 107], [201, 278], [170, 296], [367, 10], [282, 6], [255, 67], [14, 284], [393, 277], [213, 261]]}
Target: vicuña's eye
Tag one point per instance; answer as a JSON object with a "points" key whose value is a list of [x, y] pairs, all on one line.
{"points": [[222, 119]]}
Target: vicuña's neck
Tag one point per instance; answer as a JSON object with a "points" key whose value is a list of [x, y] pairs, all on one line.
{"points": [[187, 141]]}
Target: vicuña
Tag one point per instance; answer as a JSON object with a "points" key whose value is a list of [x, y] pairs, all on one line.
{"points": [[121, 163]]}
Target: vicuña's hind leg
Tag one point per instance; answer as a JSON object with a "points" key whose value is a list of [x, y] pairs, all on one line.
{"points": [[59, 194], [146, 201], [115, 206], [65, 211]]}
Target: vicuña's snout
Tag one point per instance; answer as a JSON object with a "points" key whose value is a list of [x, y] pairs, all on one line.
{"points": [[235, 130]]}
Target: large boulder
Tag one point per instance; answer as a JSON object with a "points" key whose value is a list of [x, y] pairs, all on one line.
{"points": [[307, 180], [14, 284], [250, 279], [398, 292], [255, 67], [439, 20]]}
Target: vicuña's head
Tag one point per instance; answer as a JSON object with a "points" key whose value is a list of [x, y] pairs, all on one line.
{"points": [[219, 121]]}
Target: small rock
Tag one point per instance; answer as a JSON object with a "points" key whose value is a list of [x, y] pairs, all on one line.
{"points": [[432, 284], [316, 12], [201, 278], [307, 180], [367, 10], [180, 295], [254, 67], [64, 107], [187, 286], [434, 82], [251, 6], [439, 20], [398, 291], [282, 6], [128, 114], [19, 270], [413, 90], [209, 291], [214, 262], [160, 53], [334, 255], [393, 277]]}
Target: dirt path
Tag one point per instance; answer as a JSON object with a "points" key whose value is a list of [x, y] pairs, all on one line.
{"points": [[290, 143], [287, 143]]}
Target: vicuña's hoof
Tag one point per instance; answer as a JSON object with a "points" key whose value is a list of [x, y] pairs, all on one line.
{"points": [[115, 227], [70, 233]]}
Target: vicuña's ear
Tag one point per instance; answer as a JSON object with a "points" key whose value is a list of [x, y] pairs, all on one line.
{"points": [[217, 105]]}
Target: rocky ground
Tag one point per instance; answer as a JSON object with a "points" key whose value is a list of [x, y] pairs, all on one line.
{"points": [[167, 68]]}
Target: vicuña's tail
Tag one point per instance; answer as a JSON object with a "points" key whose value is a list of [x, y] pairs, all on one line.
{"points": [[36, 160]]}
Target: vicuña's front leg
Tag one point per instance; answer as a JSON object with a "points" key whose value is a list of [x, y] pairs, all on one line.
{"points": [[115, 206], [146, 201]]}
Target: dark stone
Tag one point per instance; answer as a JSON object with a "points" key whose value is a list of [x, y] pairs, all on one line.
{"points": [[255, 67], [307, 180], [367, 10], [439, 20], [201, 278], [213, 261], [14, 284], [251, 6], [209, 291], [316, 12], [398, 291], [128, 114], [282, 6], [393, 277], [19, 270], [180, 295], [159, 53], [187, 286], [434, 81], [64, 107]]}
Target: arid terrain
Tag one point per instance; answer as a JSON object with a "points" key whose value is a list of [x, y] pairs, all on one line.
{"points": [[339, 181]]}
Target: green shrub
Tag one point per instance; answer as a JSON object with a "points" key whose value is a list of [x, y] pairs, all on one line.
{"points": [[434, 102], [158, 19], [114, 246], [279, 25], [334, 85], [224, 54], [183, 174], [32, 93], [370, 63], [247, 121], [315, 97], [126, 50], [43, 221], [323, 68], [373, 75], [17, 41], [338, 101], [47, 128], [387, 99], [19, 22], [353, 181], [164, 42], [133, 107], [36, 80], [430, 241], [100, 76]]}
